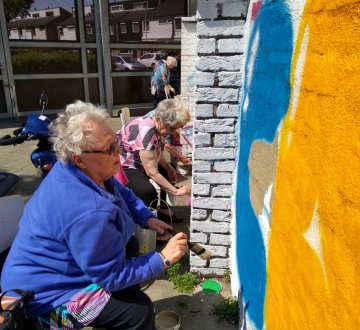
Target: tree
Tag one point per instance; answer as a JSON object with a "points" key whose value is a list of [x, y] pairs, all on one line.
{"points": [[14, 8]]}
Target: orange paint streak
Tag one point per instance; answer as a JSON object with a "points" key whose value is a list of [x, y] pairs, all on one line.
{"points": [[320, 164]]}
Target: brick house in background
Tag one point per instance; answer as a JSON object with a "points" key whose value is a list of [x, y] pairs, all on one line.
{"points": [[38, 25]]}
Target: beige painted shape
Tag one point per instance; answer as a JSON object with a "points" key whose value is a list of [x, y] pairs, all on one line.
{"points": [[262, 167]]}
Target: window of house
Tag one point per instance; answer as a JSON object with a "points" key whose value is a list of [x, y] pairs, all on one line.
{"points": [[89, 29], [140, 5], [60, 31], [122, 27], [33, 31], [135, 27], [116, 8], [41, 28], [36, 15], [49, 13], [146, 26], [112, 29], [177, 23]]}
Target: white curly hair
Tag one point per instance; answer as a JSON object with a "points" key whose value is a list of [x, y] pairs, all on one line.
{"points": [[70, 134]]}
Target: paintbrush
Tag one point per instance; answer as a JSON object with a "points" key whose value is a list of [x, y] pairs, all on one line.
{"points": [[195, 247]]}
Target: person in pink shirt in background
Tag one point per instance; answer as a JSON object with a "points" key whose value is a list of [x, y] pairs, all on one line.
{"points": [[142, 143]]}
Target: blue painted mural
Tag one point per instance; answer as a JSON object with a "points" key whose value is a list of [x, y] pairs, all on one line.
{"points": [[264, 103]]}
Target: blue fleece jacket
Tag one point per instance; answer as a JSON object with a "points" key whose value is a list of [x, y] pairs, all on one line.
{"points": [[73, 233]]}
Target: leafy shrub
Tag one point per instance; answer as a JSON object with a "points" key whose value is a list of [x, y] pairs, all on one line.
{"points": [[228, 310], [39, 61], [183, 282]]}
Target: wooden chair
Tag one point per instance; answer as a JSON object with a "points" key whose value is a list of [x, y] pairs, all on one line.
{"points": [[124, 115]]}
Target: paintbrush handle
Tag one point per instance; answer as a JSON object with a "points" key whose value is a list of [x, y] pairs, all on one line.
{"points": [[172, 232], [195, 247]]}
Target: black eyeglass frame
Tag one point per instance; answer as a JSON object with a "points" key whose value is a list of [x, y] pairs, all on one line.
{"points": [[109, 151]]}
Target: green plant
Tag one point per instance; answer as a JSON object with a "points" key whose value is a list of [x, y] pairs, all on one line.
{"points": [[227, 275], [228, 310], [185, 282]]}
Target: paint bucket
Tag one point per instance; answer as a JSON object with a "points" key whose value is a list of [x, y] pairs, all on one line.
{"points": [[171, 199], [146, 238], [211, 287], [167, 320]]}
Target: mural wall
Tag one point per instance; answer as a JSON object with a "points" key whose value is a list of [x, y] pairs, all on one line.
{"points": [[298, 176]]}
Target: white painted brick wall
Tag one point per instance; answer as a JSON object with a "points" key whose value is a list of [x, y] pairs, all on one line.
{"points": [[202, 139], [206, 46], [188, 60], [219, 263], [218, 63], [214, 154], [201, 189], [219, 239], [215, 125], [227, 110], [204, 110], [222, 191], [225, 140], [230, 46], [201, 166], [205, 78], [224, 166], [220, 28], [218, 77], [199, 238], [199, 214], [220, 215]]}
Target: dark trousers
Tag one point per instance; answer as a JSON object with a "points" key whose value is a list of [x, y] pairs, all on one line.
{"points": [[139, 183], [158, 97], [129, 308]]}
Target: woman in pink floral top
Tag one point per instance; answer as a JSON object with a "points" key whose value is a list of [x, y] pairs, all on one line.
{"points": [[142, 146]]}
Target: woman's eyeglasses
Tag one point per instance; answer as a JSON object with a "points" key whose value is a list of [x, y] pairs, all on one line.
{"points": [[109, 151]]}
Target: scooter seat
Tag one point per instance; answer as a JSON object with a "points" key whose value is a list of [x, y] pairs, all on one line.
{"points": [[7, 181]]}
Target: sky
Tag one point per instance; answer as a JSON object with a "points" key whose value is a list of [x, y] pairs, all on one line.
{"points": [[66, 4]]}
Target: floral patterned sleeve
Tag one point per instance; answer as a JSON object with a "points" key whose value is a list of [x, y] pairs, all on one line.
{"points": [[165, 74]]}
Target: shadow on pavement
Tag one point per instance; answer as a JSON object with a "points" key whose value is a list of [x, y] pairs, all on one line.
{"points": [[195, 311]]}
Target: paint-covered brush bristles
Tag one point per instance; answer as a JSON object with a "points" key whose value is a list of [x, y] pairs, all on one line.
{"points": [[199, 250], [196, 248]]}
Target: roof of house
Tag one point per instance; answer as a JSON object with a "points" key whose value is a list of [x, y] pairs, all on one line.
{"points": [[33, 22], [129, 16], [72, 21]]}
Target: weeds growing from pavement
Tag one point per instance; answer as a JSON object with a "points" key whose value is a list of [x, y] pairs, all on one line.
{"points": [[228, 310], [185, 282], [227, 275]]}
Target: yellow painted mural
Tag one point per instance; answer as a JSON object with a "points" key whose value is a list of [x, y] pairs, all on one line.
{"points": [[313, 266]]}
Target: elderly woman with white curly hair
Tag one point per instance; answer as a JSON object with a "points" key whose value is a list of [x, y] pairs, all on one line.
{"points": [[75, 246], [142, 146]]}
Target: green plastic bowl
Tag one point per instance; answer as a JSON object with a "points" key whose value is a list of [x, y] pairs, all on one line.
{"points": [[211, 287]]}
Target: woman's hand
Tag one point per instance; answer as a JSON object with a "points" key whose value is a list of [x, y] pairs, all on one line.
{"points": [[160, 227], [185, 160], [184, 190], [175, 248]]}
